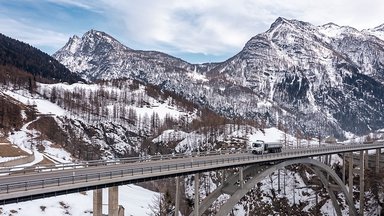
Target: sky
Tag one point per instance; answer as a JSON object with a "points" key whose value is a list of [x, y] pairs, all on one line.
{"points": [[195, 30]]}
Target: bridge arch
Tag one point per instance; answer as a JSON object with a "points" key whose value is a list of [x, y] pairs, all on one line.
{"points": [[317, 167]]}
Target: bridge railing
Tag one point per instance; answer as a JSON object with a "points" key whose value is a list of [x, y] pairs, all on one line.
{"points": [[195, 163], [83, 164]]}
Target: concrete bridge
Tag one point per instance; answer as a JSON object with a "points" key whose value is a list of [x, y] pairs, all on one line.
{"points": [[70, 178]]}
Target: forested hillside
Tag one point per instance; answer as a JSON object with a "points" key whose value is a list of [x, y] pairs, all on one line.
{"points": [[27, 58]]}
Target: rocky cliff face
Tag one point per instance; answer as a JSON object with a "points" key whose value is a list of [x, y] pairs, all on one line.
{"points": [[318, 79]]}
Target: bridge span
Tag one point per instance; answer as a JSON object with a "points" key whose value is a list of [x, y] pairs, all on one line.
{"points": [[43, 182]]}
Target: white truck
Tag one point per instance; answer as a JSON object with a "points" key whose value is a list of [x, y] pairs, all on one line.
{"points": [[260, 147]]}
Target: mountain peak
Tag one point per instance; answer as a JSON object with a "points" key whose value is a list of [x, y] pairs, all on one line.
{"points": [[92, 41], [279, 21], [74, 37], [290, 24], [96, 33], [72, 44], [99, 37]]}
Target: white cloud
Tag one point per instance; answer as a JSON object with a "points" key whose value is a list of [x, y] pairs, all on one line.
{"points": [[211, 27], [81, 4], [31, 34], [217, 27]]}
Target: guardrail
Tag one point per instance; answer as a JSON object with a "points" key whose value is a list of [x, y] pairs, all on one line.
{"points": [[18, 161], [147, 169], [82, 164]]}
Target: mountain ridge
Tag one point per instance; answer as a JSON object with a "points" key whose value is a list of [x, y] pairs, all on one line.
{"points": [[292, 69]]}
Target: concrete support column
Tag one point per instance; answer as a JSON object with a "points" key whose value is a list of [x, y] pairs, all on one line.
{"points": [[278, 181], [223, 176], [366, 165], [344, 168], [329, 157], [377, 166], [350, 175], [329, 160], [97, 202], [362, 166], [197, 194], [326, 159], [177, 196], [113, 201], [241, 177]]}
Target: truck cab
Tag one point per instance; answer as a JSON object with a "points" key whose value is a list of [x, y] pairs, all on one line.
{"points": [[257, 147]]}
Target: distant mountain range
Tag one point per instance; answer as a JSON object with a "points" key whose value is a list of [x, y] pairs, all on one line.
{"points": [[318, 79]]}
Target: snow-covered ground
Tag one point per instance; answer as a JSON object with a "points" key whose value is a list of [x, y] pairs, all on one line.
{"points": [[42, 106], [161, 109], [135, 200], [5, 159]]}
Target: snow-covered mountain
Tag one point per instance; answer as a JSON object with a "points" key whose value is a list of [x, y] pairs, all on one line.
{"points": [[97, 55], [329, 72], [318, 79]]}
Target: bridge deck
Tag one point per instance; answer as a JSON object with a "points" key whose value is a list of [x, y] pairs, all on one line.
{"points": [[44, 183]]}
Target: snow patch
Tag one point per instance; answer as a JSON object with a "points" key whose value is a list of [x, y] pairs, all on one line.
{"points": [[135, 200]]}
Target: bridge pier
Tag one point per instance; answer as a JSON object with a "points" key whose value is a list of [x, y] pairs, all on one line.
{"points": [[344, 162], [113, 203], [350, 175], [223, 173], [362, 167], [278, 181], [329, 160], [241, 177], [177, 196], [377, 166], [97, 202], [324, 159], [197, 194]]}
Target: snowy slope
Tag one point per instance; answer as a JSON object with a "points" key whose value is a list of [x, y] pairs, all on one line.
{"points": [[135, 200]]}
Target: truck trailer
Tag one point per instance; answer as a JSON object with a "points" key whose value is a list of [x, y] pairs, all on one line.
{"points": [[260, 147]]}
